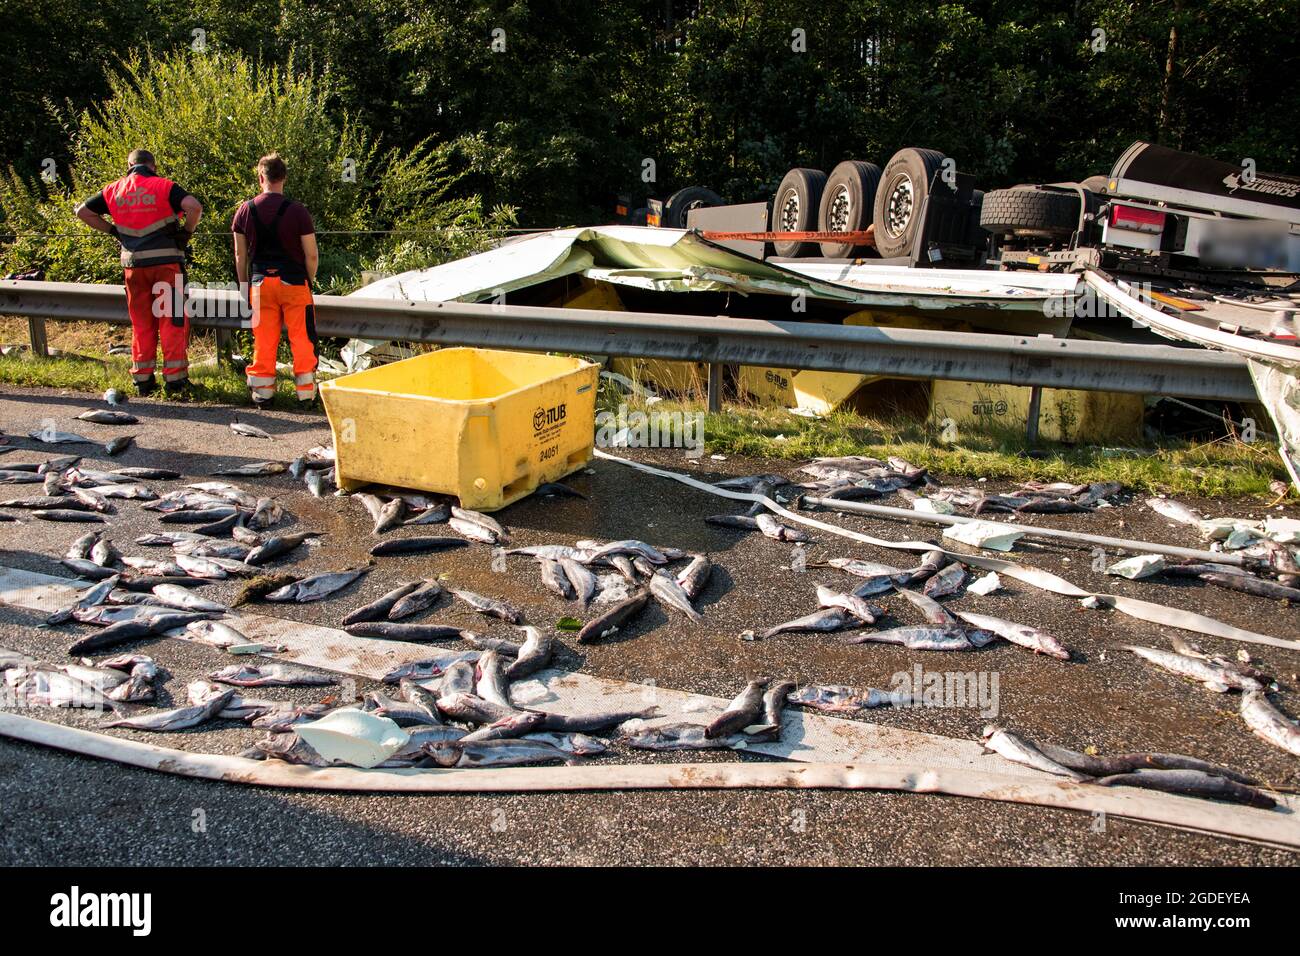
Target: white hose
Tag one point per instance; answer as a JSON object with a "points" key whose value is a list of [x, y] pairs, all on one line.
{"points": [[1034, 577], [1260, 826]]}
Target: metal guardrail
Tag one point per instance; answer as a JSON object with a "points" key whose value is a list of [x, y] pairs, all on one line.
{"points": [[898, 353]]}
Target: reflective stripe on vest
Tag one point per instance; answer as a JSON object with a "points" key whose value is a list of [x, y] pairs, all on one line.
{"points": [[140, 206]]}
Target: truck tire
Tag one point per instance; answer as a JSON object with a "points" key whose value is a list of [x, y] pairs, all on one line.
{"points": [[683, 201], [1029, 211], [904, 186], [847, 204], [795, 208]]}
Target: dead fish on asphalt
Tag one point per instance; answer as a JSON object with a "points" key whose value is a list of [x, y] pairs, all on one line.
{"points": [[771, 528], [104, 416], [1248, 584], [1105, 766], [918, 638], [490, 679], [865, 612], [533, 654], [1021, 751], [47, 501], [278, 545], [51, 436], [378, 610], [482, 642], [317, 586], [695, 576], [583, 581], [555, 580], [105, 554], [315, 482], [745, 710], [580, 745], [614, 618], [415, 545], [632, 548], [11, 477], [1050, 506], [931, 610], [134, 491], [838, 699], [114, 397], [168, 539], [118, 445], [179, 597], [92, 596], [746, 482], [491, 606], [217, 633], [199, 515], [468, 707], [1037, 641], [390, 515], [473, 530], [266, 514], [45, 686], [270, 675], [1192, 783], [428, 668], [414, 633], [668, 592], [249, 431], [1269, 723], [743, 522], [554, 489], [182, 718], [948, 581], [253, 469], [1215, 676], [57, 464], [148, 474], [774, 701], [482, 520], [870, 570], [143, 626], [1174, 511], [495, 753], [263, 585], [436, 514], [421, 597], [67, 514], [819, 622], [681, 736], [595, 722], [88, 569], [401, 712]]}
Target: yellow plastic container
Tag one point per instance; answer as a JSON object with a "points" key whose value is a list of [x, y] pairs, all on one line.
{"points": [[1066, 415], [487, 426]]}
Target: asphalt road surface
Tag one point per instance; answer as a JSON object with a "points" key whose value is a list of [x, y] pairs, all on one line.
{"points": [[61, 809]]}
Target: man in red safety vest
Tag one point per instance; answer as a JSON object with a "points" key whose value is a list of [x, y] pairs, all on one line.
{"points": [[153, 221]]}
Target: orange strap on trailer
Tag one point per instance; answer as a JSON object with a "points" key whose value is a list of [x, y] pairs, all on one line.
{"points": [[861, 237]]}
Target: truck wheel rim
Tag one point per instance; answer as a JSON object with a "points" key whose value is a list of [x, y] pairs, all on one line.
{"points": [[790, 211], [898, 212], [841, 208]]}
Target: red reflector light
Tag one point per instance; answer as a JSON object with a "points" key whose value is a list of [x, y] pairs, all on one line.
{"points": [[1135, 217], [652, 220]]}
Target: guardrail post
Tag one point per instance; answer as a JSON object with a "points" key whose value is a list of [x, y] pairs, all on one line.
{"points": [[225, 343], [36, 331], [715, 387], [1035, 409]]}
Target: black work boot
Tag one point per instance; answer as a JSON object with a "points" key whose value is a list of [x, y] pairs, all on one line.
{"points": [[178, 389], [147, 387]]}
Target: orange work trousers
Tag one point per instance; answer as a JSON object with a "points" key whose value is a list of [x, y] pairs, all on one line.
{"points": [[155, 297], [275, 303]]}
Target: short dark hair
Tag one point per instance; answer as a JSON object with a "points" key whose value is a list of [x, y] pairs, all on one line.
{"points": [[140, 157], [272, 167]]}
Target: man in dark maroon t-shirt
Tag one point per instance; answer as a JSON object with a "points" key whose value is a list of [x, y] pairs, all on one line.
{"points": [[275, 248]]}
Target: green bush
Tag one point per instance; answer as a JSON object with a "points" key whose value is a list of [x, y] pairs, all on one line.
{"points": [[207, 117]]}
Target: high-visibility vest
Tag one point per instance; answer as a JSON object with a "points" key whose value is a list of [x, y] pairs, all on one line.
{"points": [[140, 204]]}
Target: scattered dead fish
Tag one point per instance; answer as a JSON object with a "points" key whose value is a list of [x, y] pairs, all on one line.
{"points": [[317, 586], [378, 610], [91, 597], [859, 607], [414, 633], [931, 610], [249, 431], [1192, 783], [315, 482], [533, 654], [1174, 511], [142, 626], [51, 436], [1269, 723], [1037, 641], [413, 545], [771, 528], [254, 469], [555, 580], [420, 598], [218, 634], [948, 581], [668, 592], [583, 581], [270, 675], [278, 545], [495, 753], [179, 597], [103, 416], [614, 618], [839, 699], [820, 622], [681, 736], [594, 722], [1021, 751], [490, 681], [491, 607], [1215, 676], [261, 586], [431, 667], [390, 515], [554, 489], [482, 520], [743, 522], [919, 638], [182, 718], [148, 474], [118, 445], [695, 576], [744, 710], [472, 530], [67, 514], [1249, 584]]}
